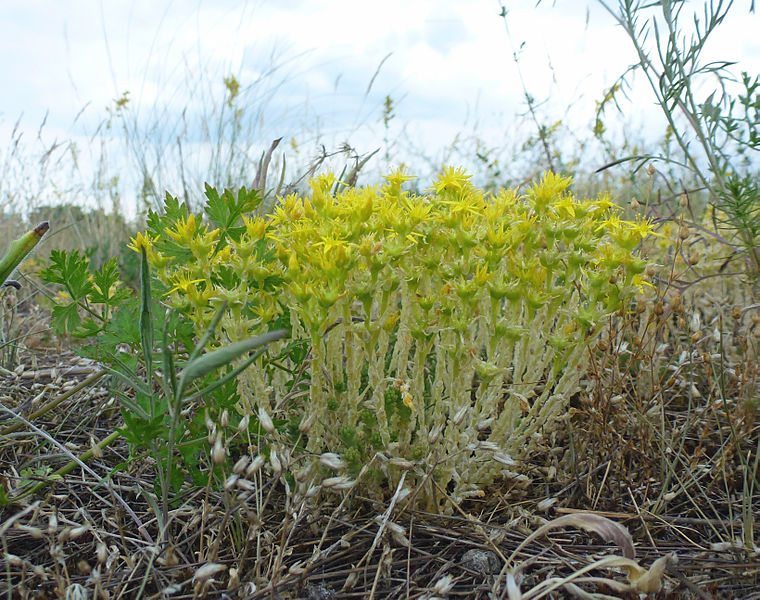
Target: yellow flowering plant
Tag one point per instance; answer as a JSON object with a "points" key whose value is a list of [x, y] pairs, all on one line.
{"points": [[447, 330]]}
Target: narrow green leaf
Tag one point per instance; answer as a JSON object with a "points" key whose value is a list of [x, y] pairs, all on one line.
{"points": [[146, 317], [218, 358]]}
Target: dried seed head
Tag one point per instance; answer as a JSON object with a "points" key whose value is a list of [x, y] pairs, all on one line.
{"points": [[101, 552], [230, 481], [305, 425], [284, 457], [241, 464], [207, 571], [243, 425], [459, 416], [77, 532], [659, 309], [683, 233], [503, 458], [401, 463], [14, 561], [696, 336], [331, 461], [234, 580], [681, 323], [35, 532], [484, 424], [97, 451], [635, 204], [338, 483], [676, 301], [255, 465], [265, 420], [683, 201], [434, 434], [736, 313], [650, 170], [217, 453], [274, 461], [225, 419], [246, 485], [603, 345], [694, 258]]}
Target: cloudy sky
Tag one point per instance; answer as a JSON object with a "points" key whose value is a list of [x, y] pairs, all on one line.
{"points": [[320, 70]]}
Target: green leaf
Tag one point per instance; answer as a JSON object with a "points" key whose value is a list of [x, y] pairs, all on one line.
{"points": [[88, 328], [65, 318], [142, 432], [226, 211], [104, 280], [71, 270]]}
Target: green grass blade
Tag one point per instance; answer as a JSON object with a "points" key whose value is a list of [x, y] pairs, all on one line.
{"points": [[146, 316]]}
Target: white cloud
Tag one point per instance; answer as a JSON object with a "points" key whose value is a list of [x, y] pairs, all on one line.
{"points": [[447, 57]]}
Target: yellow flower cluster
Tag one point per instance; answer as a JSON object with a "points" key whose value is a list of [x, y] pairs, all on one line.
{"points": [[420, 309]]}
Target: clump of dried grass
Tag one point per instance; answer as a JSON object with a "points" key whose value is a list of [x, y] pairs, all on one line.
{"points": [[661, 459]]}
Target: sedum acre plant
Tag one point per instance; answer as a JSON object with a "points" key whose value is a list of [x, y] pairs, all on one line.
{"points": [[447, 331]]}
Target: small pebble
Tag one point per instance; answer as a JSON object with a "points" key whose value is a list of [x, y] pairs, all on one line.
{"points": [[484, 562], [318, 591]]}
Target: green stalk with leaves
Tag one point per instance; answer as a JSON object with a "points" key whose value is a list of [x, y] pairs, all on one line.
{"points": [[136, 338], [722, 127]]}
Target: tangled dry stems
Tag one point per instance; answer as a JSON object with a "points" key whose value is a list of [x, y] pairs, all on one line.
{"points": [[657, 445]]}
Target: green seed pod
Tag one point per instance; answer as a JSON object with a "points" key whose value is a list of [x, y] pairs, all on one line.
{"points": [[19, 249]]}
